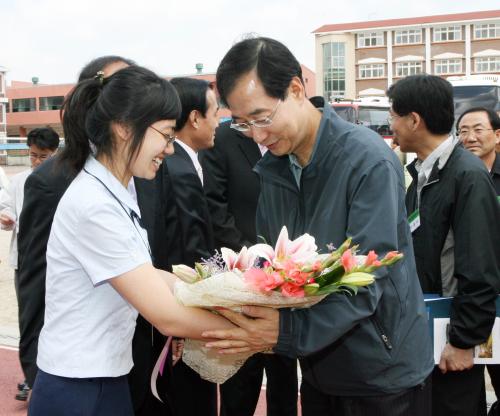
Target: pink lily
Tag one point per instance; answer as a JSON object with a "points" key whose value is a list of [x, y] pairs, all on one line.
{"points": [[348, 261], [371, 258]]}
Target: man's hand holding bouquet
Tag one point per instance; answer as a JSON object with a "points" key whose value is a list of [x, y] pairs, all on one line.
{"points": [[243, 286]]}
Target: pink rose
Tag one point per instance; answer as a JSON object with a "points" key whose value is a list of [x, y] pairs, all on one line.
{"points": [[291, 290]]}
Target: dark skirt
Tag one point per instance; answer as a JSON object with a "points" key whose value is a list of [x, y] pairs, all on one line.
{"points": [[63, 396]]}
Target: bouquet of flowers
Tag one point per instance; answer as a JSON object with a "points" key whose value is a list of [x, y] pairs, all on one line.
{"points": [[292, 274]]}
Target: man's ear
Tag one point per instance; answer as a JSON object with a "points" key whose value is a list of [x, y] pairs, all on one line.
{"points": [[193, 118], [497, 136], [121, 131], [296, 88], [417, 120]]}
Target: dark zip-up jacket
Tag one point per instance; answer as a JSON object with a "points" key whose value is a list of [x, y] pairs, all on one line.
{"points": [[377, 342], [457, 245]]}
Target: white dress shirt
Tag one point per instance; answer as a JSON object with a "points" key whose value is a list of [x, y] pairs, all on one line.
{"points": [[194, 158], [11, 204], [89, 326]]}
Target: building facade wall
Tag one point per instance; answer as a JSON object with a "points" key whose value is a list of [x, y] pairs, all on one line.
{"points": [[443, 57]]}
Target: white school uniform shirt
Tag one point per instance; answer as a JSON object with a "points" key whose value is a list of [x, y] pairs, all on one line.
{"points": [[194, 158], [88, 326], [11, 204]]}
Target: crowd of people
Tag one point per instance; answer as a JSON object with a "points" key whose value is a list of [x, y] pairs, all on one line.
{"points": [[148, 179]]}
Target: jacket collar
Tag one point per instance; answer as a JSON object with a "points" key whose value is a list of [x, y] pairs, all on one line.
{"points": [[438, 165], [278, 167], [495, 169]]}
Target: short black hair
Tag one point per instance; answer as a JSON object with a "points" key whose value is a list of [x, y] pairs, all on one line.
{"points": [[274, 63], [98, 64], [492, 116], [430, 96], [193, 95], [43, 138]]}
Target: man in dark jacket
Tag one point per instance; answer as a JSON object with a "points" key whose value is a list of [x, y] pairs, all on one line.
{"points": [[189, 229], [455, 221], [479, 131], [365, 354]]}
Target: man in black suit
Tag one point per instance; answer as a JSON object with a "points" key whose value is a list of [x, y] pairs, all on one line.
{"points": [[232, 190], [189, 230], [43, 190]]}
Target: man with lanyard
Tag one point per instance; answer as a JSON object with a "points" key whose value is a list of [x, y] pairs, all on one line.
{"points": [[455, 223]]}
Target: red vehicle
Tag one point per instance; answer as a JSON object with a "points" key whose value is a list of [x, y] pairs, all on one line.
{"points": [[369, 112]]}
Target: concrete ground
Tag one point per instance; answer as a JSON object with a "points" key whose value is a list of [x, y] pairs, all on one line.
{"points": [[10, 371]]}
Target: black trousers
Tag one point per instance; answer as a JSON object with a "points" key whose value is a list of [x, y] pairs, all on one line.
{"points": [[494, 372], [240, 394], [459, 393], [147, 345], [191, 395], [62, 396], [412, 402]]}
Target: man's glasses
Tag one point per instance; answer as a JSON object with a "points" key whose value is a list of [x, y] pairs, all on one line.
{"points": [[168, 138], [465, 133], [259, 123], [392, 117], [41, 158]]}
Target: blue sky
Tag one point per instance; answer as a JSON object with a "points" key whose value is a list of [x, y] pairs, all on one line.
{"points": [[53, 39]]}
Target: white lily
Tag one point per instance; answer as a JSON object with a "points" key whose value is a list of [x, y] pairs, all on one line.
{"points": [[300, 250], [241, 261], [185, 273]]}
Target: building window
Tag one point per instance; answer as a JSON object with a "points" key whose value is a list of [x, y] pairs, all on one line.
{"points": [[487, 31], [447, 33], [51, 103], [370, 39], [371, 71], [2, 87], [406, 37], [333, 70], [21, 105], [488, 64], [404, 69], [448, 66]]}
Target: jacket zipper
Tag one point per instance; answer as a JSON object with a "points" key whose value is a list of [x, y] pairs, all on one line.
{"points": [[385, 338]]}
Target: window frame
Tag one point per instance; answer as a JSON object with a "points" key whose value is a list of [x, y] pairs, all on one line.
{"points": [[489, 60], [408, 65], [447, 30], [407, 32], [480, 28], [448, 63], [364, 36], [371, 68]]}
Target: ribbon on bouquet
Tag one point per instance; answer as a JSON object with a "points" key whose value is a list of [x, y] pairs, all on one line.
{"points": [[159, 367]]}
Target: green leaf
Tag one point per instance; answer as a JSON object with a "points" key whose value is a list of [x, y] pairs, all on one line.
{"points": [[311, 289], [330, 275]]}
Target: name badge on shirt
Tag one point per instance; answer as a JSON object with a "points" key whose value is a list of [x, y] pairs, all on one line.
{"points": [[414, 220]]}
